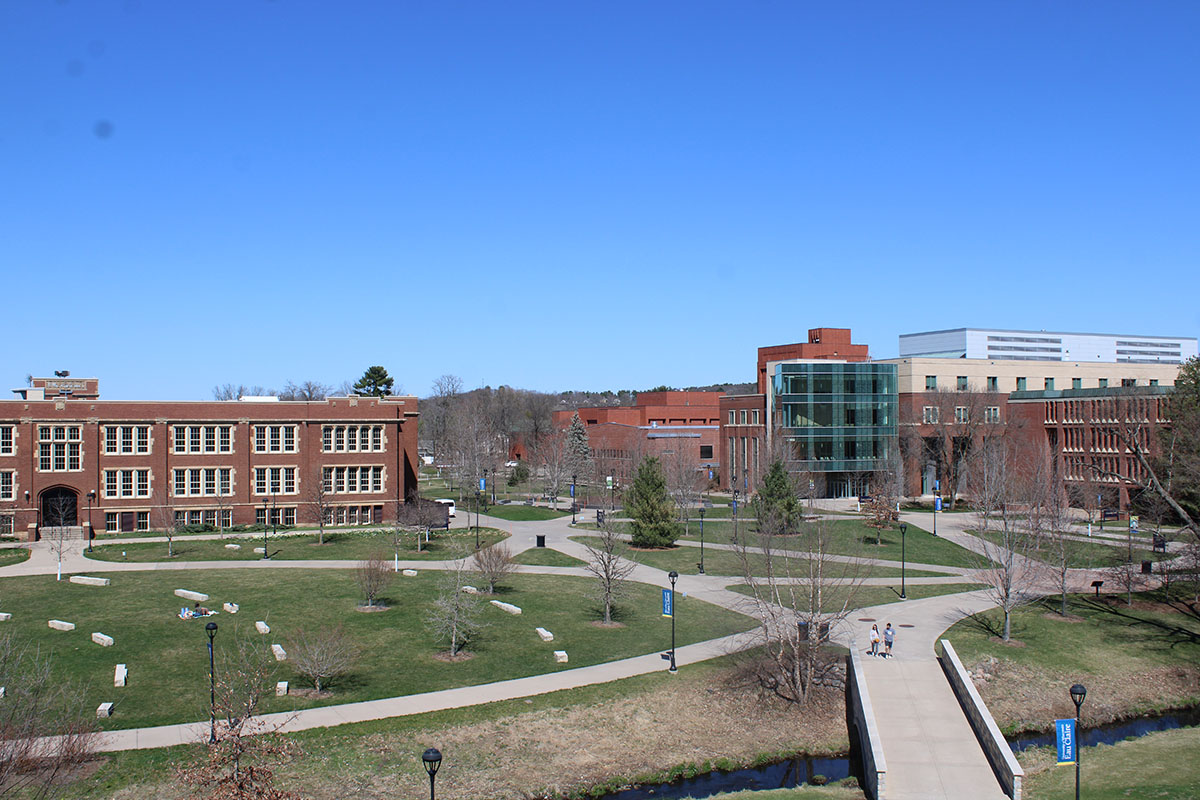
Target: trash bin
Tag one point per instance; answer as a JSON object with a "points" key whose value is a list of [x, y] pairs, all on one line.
{"points": [[541, 540], [1147, 566], [599, 516]]}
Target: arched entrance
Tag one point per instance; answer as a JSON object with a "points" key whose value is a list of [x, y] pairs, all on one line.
{"points": [[60, 507]]}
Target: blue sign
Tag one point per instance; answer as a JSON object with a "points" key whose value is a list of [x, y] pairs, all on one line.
{"points": [[572, 490], [735, 506], [937, 504], [937, 484], [668, 603], [483, 484], [1064, 735]]}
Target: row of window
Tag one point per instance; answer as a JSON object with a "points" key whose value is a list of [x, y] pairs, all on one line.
{"points": [[352, 438], [202, 438], [338, 480], [743, 416], [126, 483], [931, 415], [962, 384], [276, 515], [274, 480], [353, 515], [210, 481], [126, 439]]}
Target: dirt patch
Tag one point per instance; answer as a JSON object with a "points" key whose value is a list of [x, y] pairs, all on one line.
{"points": [[372, 609], [309, 693], [1055, 617], [599, 623], [455, 658]]}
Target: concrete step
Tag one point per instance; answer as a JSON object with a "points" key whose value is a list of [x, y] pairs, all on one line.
{"points": [[64, 531]]}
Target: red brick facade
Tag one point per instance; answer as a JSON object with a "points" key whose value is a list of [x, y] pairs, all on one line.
{"points": [[213, 461]]}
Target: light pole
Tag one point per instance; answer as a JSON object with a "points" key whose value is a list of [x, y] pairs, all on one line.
{"points": [[674, 576], [476, 519], [432, 758], [493, 486], [573, 500], [90, 496], [903, 531], [1078, 693], [701, 541], [266, 548], [211, 628], [735, 535]]}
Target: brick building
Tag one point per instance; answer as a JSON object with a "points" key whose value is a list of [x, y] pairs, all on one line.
{"points": [[69, 458]]}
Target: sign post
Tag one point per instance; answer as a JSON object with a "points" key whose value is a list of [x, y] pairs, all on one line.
{"points": [[1064, 737]]}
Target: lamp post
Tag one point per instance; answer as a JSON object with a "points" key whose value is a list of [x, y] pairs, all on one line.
{"points": [[1078, 693], [701, 540], [735, 534], [432, 758], [266, 547], [903, 531], [90, 496], [674, 576], [477, 519], [573, 500], [493, 486], [211, 629]]}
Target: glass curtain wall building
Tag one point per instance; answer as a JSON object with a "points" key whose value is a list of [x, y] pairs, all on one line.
{"points": [[837, 418]]}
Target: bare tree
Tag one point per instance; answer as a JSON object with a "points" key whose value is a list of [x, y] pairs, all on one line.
{"points": [[58, 511], [950, 427], [323, 654], [609, 563], [319, 498], [798, 602], [494, 564], [373, 577], [454, 616], [167, 522], [305, 390], [685, 482], [551, 457], [230, 391], [45, 731]]}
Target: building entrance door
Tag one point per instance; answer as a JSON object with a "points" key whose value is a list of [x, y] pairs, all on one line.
{"points": [[60, 507]]}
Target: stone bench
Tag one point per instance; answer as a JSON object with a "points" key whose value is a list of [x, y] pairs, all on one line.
{"points": [[59, 625], [546, 635], [5, 616], [104, 710], [280, 653], [262, 627], [509, 607], [560, 656], [233, 547], [199, 597], [281, 688], [89, 581], [470, 589], [102, 640], [408, 573], [231, 608], [262, 551], [120, 675]]}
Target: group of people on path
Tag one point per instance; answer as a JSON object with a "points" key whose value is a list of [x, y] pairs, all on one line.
{"points": [[889, 638]]}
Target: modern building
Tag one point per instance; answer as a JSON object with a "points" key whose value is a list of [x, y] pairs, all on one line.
{"points": [[1012, 345], [69, 458]]}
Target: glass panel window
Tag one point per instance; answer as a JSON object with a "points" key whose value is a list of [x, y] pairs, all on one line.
{"points": [[180, 482], [1020, 384], [929, 415], [110, 440], [377, 438], [960, 415], [962, 383], [110, 483], [930, 382], [110, 521], [225, 443], [1049, 384], [1103, 383], [327, 439], [260, 439], [143, 483], [225, 481], [210, 439], [194, 439], [289, 480], [1076, 383], [6, 485], [143, 520], [993, 383], [992, 414], [194, 481], [352, 438], [126, 483], [377, 479], [143, 439]]}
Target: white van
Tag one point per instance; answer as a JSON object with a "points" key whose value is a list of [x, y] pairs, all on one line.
{"points": [[449, 504]]}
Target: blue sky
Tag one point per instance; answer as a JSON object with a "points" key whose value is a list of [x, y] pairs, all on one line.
{"points": [[579, 195]]}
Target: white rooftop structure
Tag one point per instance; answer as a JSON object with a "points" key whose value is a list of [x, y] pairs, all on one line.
{"points": [[1010, 345]]}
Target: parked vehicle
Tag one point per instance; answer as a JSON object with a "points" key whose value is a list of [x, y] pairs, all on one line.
{"points": [[449, 504]]}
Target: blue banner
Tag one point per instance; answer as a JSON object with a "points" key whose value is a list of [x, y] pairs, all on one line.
{"points": [[572, 490], [668, 603], [937, 504], [1064, 735], [483, 484]]}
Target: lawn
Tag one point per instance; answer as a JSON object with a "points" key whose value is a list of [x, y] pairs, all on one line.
{"points": [[339, 546], [1162, 766], [1090, 554], [726, 562], [523, 513], [867, 596], [167, 656], [546, 557], [13, 555]]}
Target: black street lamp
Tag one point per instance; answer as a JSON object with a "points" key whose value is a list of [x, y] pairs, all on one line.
{"points": [[90, 533], [1078, 693], [903, 530], [432, 758], [573, 500], [674, 576], [735, 497], [211, 628], [701, 541], [476, 519], [493, 486]]}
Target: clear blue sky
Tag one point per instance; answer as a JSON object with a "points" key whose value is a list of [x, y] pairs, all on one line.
{"points": [[591, 195]]}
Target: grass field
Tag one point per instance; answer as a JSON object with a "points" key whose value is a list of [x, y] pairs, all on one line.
{"points": [[523, 513], [1162, 766], [1090, 554], [13, 555], [867, 596], [546, 557], [167, 656], [339, 546]]}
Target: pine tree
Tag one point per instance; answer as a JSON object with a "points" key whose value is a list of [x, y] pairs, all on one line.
{"points": [[375, 382], [777, 497], [579, 452], [650, 507]]}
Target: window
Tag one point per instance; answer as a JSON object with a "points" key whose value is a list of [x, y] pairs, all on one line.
{"points": [[730, 417], [1049, 384], [143, 520], [1076, 383], [1154, 381], [6, 485], [351, 438], [59, 448], [755, 416], [337, 480], [1020, 384], [742, 416], [110, 522], [274, 438], [126, 483], [6, 524], [962, 383], [6, 440], [1127, 382], [1102, 383], [993, 383], [960, 415], [202, 439], [274, 480], [207, 482], [929, 415], [930, 382], [706, 451], [275, 516]]}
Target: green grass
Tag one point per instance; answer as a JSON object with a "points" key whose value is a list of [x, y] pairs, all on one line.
{"points": [[798, 793], [339, 546], [166, 655], [684, 558], [546, 557], [1089, 554], [1162, 766], [13, 555], [867, 596], [523, 513]]}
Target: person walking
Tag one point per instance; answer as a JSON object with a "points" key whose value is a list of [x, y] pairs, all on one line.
{"points": [[874, 640], [889, 636]]}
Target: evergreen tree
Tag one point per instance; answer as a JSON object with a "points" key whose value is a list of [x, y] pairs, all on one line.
{"points": [[777, 497], [375, 382], [579, 452], [650, 507]]}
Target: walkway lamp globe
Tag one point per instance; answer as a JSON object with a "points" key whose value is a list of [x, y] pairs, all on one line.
{"points": [[903, 531], [701, 567], [673, 576], [211, 630], [432, 759], [1078, 695]]}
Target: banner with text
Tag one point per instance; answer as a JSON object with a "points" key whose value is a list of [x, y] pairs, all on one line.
{"points": [[668, 603], [1064, 735]]}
